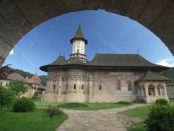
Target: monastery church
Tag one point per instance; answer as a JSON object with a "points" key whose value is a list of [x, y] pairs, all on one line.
{"points": [[106, 78]]}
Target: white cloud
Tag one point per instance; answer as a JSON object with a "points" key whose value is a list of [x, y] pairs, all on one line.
{"points": [[11, 52], [166, 62]]}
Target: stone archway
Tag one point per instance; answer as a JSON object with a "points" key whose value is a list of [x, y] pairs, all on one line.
{"points": [[17, 17], [151, 90]]}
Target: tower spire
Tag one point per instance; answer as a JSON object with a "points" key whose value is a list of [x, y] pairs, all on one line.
{"points": [[78, 46], [79, 35]]}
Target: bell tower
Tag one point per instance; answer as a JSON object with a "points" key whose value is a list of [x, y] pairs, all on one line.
{"points": [[78, 46]]}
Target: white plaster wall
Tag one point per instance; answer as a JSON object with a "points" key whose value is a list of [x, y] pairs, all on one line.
{"points": [[78, 45]]}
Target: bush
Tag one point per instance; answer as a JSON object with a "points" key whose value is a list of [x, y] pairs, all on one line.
{"points": [[23, 105], [7, 97], [36, 95], [161, 102], [161, 118], [53, 111], [73, 105], [124, 102], [18, 87]]}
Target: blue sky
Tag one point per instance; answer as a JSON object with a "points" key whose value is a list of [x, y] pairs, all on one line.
{"points": [[106, 33]]}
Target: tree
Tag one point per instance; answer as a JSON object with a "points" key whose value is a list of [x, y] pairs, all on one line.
{"points": [[6, 96], [18, 87], [43, 79]]}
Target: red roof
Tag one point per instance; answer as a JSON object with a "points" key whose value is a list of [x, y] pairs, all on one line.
{"points": [[34, 79]]}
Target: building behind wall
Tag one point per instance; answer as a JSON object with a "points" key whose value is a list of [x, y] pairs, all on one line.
{"points": [[33, 84], [106, 78]]}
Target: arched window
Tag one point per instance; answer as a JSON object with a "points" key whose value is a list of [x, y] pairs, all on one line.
{"points": [[129, 85], [151, 90], [82, 87], [160, 89], [74, 86], [118, 85], [100, 87], [54, 87]]}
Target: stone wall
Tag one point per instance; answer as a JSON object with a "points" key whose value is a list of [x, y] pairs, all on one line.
{"points": [[4, 82], [76, 85]]}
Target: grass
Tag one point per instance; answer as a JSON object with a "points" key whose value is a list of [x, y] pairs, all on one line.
{"points": [[43, 104], [84, 106], [38, 120], [141, 112]]}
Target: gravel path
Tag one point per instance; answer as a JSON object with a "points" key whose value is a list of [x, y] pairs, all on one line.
{"points": [[96, 120]]}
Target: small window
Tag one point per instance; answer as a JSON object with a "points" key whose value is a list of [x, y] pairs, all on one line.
{"points": [[54, 86], [100, 87], [129, 85], [118, 85], [82, 87], [74, 86]]}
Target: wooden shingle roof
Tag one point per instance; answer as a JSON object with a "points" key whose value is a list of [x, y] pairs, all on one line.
{"points": [[107, 60]]}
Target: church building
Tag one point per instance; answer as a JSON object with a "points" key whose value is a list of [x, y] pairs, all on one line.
{"points": [[106, 78]]}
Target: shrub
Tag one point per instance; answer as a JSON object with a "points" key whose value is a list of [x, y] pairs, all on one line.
{"points": [[18, 87], [161, 118], [161, 102], [23, 105], [73, 105], [36, 95], [7, 97], [123, 102], [53, 111]]}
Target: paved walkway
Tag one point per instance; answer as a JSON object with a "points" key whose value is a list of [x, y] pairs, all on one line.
{"points": [[96, 120]]}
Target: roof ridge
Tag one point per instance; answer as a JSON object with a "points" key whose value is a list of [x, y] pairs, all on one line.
{"points": [[114, 54]]}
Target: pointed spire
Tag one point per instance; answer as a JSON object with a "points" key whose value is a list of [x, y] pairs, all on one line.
{"points": [[79, 35]]}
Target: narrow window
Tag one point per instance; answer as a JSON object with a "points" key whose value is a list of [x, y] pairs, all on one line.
{"points": [[74, 86], [100, 87], [77, 50], [129, 85], [82, 87], [118, 85], [54, 87]]}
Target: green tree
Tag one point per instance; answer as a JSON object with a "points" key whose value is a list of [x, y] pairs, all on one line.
{"points": [[18, 87], [43, 79], [6, 96]]}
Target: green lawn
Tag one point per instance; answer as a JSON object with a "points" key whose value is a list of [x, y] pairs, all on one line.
{"points": [[43, 104], [83, 106], [141, 112], [38, 120]]}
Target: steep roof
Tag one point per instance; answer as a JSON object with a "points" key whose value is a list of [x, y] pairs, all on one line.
{"points": [[79, 35], [107, 60], [153, 76], [16, 76], [59, 61], [41, 87], [121, 60], [34, 79]]}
